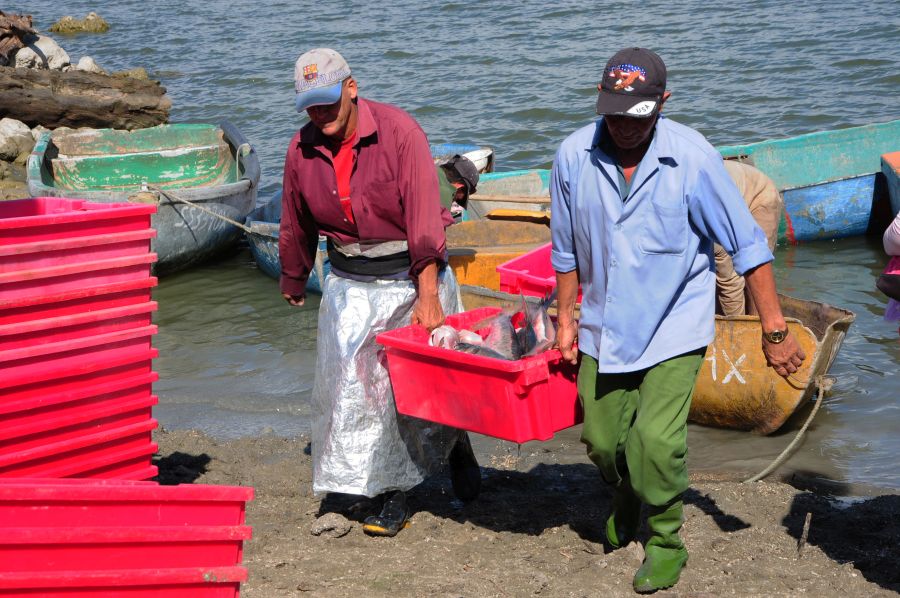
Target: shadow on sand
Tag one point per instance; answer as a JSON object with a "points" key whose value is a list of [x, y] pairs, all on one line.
{"points": [[864, 532], [180, 468], [525, 502]]}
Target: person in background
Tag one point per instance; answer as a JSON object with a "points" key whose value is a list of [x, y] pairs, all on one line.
{"points": [[765, 205], [638, 201], [458, 178], [889, 282], [361, 173], [891, 238]]}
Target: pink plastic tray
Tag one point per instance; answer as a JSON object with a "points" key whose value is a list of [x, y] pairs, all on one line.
{"points": [[522, 400], [530, 274]]}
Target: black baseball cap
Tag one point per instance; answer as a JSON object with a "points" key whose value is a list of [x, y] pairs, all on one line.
{"points": [[462, 170], [633, 84]]}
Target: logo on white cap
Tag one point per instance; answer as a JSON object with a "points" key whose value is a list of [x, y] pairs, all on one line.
{"points": [[641, 108]]}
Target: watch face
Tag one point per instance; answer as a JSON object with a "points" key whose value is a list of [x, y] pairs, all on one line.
{"points": [[776, 336]]}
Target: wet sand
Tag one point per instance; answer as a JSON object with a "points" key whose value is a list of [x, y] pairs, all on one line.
{"points": [[536, 529]]}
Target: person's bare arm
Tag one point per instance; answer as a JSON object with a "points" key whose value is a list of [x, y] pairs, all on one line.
{"points": [[567, 327], [427, 310], [784, 357]]}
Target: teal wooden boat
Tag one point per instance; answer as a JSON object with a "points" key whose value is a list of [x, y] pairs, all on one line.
{"points": [[212, 166], [830, 182]]}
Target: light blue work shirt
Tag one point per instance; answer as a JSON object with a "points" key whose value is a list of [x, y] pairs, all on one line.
{"points": [[646, 264]]}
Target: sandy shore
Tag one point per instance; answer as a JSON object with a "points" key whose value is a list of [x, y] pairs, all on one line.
{"points": [[536, 530]]}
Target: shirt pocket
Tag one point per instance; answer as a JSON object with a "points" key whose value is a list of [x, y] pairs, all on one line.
{"points": [[382, 201], [665, 229]]}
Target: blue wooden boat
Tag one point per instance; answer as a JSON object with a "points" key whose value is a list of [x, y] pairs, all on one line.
{"points": [[264, 221], [262, 238], [211, 166], [828, 181]]}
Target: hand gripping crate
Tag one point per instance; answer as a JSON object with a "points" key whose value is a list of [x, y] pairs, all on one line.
{"points": [[528, 399]]}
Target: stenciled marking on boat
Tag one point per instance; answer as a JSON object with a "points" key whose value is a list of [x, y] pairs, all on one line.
{"points": [[194, 219], [733, 365]]}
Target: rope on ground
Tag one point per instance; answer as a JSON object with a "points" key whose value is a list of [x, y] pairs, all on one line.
{"points": [[172, 197], [789, 450]]}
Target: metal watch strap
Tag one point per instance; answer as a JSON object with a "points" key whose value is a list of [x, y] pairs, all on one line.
{"points": [[776, 336]]}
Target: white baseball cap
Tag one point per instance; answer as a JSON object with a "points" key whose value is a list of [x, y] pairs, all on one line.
{"points": [[318, 75]]}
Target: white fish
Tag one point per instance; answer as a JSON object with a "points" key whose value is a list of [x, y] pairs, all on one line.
{"points": [[444, 336]]}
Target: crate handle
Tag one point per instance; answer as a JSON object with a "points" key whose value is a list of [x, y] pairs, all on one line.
{"points": [[535, 371]]}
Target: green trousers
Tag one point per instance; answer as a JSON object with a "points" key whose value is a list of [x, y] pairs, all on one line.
{"points": [[635, 424]]}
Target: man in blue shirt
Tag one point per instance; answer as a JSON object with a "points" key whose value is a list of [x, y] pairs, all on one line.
{"points": [[638, 202]]}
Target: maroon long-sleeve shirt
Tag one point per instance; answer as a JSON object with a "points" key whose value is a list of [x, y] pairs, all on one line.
{"points": [[393, 191]]}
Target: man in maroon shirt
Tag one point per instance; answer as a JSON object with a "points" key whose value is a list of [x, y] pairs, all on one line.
{"points": [[361, 173]]}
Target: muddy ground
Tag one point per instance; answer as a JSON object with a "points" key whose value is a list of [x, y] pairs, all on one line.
{"points": [[536, 530]]}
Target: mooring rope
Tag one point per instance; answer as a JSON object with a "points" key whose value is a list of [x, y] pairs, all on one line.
{"points": [[820, 382]]}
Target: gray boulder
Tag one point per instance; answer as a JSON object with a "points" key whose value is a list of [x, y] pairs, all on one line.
{"points": [[41, 52], [15, 139], [86, 63]]}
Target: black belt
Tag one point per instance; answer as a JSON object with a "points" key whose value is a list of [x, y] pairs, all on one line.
{"points": [[369, 266]]}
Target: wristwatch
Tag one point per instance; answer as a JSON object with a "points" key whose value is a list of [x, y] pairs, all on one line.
{"points": [[776, 336]]}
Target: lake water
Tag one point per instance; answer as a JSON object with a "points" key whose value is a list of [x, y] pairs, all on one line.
{"points": [[518, 76]]}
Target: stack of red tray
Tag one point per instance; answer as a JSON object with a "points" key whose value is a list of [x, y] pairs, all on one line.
{"points": [[75, 332], [116, 537]]}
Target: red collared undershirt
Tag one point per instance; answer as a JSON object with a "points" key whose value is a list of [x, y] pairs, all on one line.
{"points": [[343, 168]]}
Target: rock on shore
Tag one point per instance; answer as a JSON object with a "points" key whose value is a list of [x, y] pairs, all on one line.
{"points": [[41, 52], [92, 23]]}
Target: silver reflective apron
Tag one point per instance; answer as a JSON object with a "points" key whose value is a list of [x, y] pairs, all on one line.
{"points": [[360, 444]]}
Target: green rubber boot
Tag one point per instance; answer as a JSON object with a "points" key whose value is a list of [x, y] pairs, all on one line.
{"points": [[665, 554], [624, 517]]}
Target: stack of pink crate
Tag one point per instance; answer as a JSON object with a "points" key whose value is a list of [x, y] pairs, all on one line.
{"points": [[75, 332], [76, 419]]}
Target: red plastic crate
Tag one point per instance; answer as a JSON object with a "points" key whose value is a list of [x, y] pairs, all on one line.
{"points": [[130, 469], [51, 218], [97, 503], [75, 326], [114, 538], [522, 400], [47, 427], [32, 362], [70, 380], [76, 300], [72, 457], [36, 283], [77, 406], [128, 547], [530, 274], [189, 582], [73, 250]]}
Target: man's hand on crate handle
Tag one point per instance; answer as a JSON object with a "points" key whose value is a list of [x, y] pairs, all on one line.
{"points": [[566, 326], [427, 311]]}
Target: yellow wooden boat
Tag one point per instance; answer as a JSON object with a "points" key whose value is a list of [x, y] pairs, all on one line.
{"points": [[477, 247], [735, 387]]}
